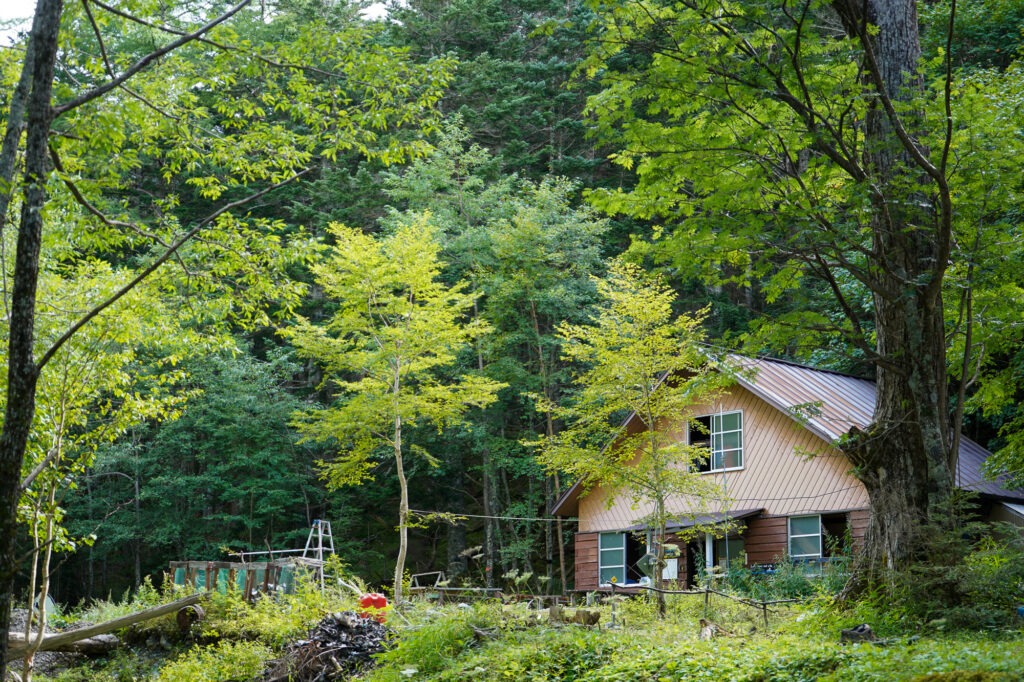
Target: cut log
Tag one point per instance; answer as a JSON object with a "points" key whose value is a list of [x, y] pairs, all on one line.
{"points": [[858, 633], [54, 642], [187, 615]]}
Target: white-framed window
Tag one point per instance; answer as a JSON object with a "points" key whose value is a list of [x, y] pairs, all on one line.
{"points": [[611, 558], [805, 537], [722, 434]]}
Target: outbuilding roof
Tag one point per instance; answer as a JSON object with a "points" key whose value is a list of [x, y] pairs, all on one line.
{"points": [[828, 404]]}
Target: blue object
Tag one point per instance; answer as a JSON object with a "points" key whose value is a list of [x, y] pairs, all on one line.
{"points": [[1020, 611]]}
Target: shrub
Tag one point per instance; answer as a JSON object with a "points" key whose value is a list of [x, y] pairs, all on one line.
{"points": [[219, 663], [433, 644], [967, 577], [272, 620]]}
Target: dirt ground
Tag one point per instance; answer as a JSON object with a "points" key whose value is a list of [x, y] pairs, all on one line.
{"points": [[46, 662]]}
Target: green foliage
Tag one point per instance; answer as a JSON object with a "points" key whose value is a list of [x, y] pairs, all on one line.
{"points": [[434, 645], [396, 328], [635, 360], [274, 622], [985, 34], [965, 676], [220, 662], [386, 350], [803, 645], [967, 578], [230, 465], [790, 580], [512, 87], [529, 253]]}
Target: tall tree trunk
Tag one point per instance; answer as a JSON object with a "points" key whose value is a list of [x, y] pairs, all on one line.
{"points": [[403, 513], [22, 370], [902, 456], [550, 431], [659, 552], [561, 538], [137, 541], [456, 496], [490, 544], [549, 536], [490, 541]]}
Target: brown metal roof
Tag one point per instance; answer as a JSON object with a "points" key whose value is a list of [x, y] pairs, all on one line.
{"points": [[828, 404], [839, 401]]}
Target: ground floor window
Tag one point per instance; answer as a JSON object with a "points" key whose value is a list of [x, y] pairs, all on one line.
{"points": [[727, 550], [612, 558], [805, 537], [619, 557]]}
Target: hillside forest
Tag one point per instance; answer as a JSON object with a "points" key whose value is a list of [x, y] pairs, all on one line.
{"points": [[255, 254]]}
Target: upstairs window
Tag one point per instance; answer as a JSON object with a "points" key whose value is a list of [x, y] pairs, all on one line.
{"points": [[722, 435]]}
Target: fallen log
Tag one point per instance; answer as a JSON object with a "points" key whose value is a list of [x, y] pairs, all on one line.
{"points": [[91, 646], [54, 641]]}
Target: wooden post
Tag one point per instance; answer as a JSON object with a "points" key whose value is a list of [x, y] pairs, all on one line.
{"points": [[613, 604], [764, 608], [707, 597]]}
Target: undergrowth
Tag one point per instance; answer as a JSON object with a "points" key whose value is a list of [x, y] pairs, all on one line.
{"points": [[230, 643], [491, 641]]}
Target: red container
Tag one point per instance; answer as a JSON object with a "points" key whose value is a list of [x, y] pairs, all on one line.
{"points": [[373, 605]]}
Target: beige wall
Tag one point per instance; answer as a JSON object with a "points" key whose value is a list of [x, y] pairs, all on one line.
{"points": [[777, 475]]}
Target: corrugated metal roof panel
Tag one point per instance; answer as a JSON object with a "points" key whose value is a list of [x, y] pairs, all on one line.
{"points": [[844, 401]]}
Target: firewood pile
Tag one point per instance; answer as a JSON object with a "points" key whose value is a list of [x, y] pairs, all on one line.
{"points": [[340, 645]]}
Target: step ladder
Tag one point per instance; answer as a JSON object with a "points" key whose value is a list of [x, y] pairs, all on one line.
{"points": [[320, 540]]}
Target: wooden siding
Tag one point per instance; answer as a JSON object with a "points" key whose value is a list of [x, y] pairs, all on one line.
{"points": [[858, 526], [586, 561], [766, 539], [778, 476]]}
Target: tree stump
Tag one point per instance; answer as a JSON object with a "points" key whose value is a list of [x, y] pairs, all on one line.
{"points": [[709, 630], [585, 617], [858, 633]]}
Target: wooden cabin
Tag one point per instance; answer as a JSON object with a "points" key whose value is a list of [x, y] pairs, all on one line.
{"points": [[787, 491]]}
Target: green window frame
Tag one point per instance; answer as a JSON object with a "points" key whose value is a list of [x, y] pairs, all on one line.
{"points": [[805, 536], [611, 558]]}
